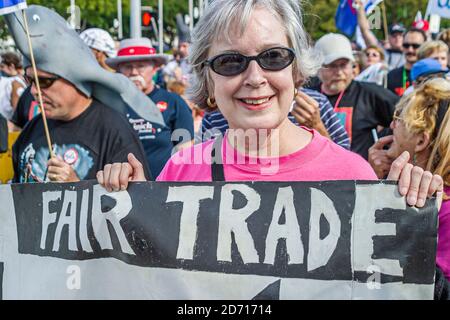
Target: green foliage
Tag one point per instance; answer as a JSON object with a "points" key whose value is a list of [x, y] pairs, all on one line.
{"points": [[318, 17]]}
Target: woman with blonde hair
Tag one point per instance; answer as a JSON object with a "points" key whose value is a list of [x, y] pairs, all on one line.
{"points": [[421, 126], [437, 50], [376, 69]]}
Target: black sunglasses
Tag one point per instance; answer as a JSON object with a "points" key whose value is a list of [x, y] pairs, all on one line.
{"points": [[231, 64], [44, 82], [414, 45]]}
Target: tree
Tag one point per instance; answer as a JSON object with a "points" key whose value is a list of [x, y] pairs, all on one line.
{"points": [[318, 14]]}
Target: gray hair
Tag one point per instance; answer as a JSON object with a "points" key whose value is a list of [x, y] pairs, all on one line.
{"points": [[218, 21]]}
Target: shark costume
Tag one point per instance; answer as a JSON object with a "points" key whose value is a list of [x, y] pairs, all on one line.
{"points": [[99, 135], [60, 50]]}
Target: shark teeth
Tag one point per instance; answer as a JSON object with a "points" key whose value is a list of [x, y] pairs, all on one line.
{"points": [[256, 101]]}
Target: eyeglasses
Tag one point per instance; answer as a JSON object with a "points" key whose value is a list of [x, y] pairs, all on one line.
{"points": [[128, 68], [231, 64], [414, 45], [44, 82]]}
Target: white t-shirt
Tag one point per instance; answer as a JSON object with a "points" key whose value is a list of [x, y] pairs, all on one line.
{"points": [[6, 109]]}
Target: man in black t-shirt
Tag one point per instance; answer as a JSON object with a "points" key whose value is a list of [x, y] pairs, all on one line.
{"points": [[86, 135], [399, 79], [362, 107]]}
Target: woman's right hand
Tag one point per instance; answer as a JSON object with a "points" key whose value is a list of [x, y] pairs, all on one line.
{"points": [[115, 177]]}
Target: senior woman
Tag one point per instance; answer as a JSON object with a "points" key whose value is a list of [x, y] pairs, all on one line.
{"points": [[248, 56], [421, 126]]}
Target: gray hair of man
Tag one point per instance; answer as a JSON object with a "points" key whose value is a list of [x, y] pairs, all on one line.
{"points": [[220, 19]]}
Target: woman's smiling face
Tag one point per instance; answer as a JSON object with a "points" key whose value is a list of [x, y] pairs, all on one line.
{"points": [[255, 98]]}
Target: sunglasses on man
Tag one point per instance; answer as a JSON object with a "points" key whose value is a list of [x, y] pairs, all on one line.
{"points": [[44, 82], [232, 64], [413, 45]]}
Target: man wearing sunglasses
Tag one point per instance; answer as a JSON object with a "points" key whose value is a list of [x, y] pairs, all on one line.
{"points": [[400, 79], [85, 135]]}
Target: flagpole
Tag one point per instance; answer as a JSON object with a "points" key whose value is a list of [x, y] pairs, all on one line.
{"points": [[38, 87], [383, 8]]}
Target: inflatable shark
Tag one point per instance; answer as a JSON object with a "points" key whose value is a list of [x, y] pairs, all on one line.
{"points": [[59, 50]]}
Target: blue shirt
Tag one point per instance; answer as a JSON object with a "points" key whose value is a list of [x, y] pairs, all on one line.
{"points": [[156, 139], [214, 123]]}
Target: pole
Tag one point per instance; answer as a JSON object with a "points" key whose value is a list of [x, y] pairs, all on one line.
{"points": [[200, 5], [161, 25], [72, 14], [119, 18], [38, 87], [385, 26], [191, 15], [135, 19]]}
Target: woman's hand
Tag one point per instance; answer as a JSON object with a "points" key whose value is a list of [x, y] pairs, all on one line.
{"points": [[379, 158], [115, 177], [415, 183]]}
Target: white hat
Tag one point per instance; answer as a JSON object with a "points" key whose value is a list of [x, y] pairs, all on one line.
{"points": [[100, 40], [334, 46], [136, 50]]}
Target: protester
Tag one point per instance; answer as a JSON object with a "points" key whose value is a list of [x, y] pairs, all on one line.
{"points": [[361, 106], [393, 49], [257, 95], [11, 83], [9, 96], [424, 70], [434, 49], [421, 126], [101, 44], [375, 68], [85, 134], [400, 79], [311, 109], [444, 36], [11, 66], [138, 61], [179, 68]]}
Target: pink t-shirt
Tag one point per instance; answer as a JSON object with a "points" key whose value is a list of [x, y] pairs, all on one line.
{"points": [[321, 159], [443, 250]]}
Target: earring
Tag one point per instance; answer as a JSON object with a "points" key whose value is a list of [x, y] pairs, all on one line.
{"points": [[295, 92], [211, 102]]}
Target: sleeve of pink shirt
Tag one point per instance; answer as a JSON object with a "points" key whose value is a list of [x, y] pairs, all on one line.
{"points": [[443, 250]]}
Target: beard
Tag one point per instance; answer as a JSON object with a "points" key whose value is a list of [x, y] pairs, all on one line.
{"points": [[339, 86]]}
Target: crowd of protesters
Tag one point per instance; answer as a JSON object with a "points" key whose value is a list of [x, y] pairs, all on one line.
{"points": [[348, 115]]}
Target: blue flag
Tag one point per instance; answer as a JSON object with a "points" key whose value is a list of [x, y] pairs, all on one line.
{"points": [[8, 6], [346, 19], [346, 16]]}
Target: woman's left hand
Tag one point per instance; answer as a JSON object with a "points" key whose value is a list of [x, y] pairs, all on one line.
{"points": [[415, 183]]}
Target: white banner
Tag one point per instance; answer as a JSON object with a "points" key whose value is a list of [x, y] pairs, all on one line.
{"points": [[219, 241], [439, 7]]}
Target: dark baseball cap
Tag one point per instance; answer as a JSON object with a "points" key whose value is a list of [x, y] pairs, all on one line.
{"points": [[397, 28]]}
